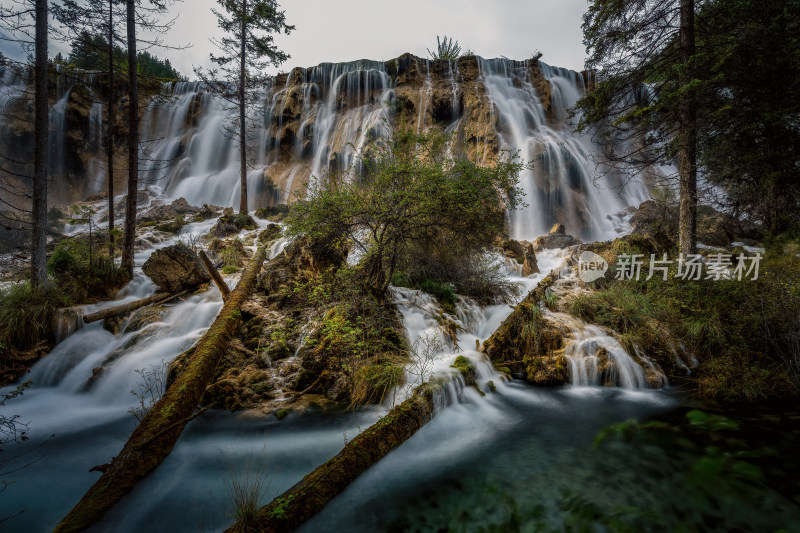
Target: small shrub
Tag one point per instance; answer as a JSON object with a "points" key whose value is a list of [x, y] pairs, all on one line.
{"points": [[245, 490], [26, 314], [151, 387]]}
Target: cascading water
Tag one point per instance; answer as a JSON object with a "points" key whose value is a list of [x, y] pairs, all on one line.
{"points": [[315, 121], [561, 186]]}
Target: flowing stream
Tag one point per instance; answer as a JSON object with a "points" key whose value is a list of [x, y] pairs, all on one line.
{"points": [[188, 491]]}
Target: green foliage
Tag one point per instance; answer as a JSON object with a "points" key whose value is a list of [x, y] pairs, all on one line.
{"points": [[173, 226], [82, 275], [26, 315], [446, 50], [409, 192], [742, 332], [355, 335], [443, 291], [749, 134], [90, 52]]}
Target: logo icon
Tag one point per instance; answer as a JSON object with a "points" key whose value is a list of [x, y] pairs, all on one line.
{"points": [[591, 267]]}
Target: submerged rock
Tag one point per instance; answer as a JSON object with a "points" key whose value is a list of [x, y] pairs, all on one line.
{"points": [[175, 268]]}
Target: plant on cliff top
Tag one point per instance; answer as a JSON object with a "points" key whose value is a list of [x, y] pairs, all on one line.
{"points": [[446, 49]]}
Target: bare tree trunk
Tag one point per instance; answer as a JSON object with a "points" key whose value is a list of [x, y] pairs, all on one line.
{"points": [[687, 156], [110, 132], [133, 142], [242, 76], [40, 152]]}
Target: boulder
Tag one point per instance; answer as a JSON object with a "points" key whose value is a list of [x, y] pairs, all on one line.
{"points": [[530, 265], [273, 231], [206, 212], [167, 212], [557, 238], [514, 249], [175, 268]]}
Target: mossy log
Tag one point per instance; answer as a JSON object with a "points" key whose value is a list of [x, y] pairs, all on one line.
{"points": [[156, 435], [291, 509], [124, 308], [529, 344], [214, 273]]}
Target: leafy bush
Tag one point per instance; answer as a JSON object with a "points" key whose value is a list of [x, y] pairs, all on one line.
{"points": [[410, 195]]}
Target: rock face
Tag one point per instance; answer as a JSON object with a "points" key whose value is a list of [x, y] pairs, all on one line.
{"points": [[175, 268], [557, 238]]}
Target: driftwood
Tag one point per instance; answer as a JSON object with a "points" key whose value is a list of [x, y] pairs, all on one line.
{"points": [[158, 297], [291, 509], [158, 431], [214, 273]]}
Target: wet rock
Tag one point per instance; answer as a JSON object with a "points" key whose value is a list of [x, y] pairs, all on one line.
{"points": [[144, 317], [557, 238], [113, 324], [97, 197], [530, 265], [272, 232], [141, 198], [230, 224], [175, 268], [206, 212], [274, 213], [97, 373], [167, 212], [514, 249], [547, 371], [466, 368]]}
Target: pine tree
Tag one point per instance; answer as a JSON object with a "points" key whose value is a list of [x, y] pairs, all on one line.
{"points": [[246, 49], [643, 100]]}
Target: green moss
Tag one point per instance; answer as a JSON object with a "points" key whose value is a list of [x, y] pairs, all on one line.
{"points": [[228, 269], [280, 414], [281, 505], [492, 386]]}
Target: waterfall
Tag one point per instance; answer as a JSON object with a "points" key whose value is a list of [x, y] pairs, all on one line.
{"points": [[561, 186], [310, 122]]}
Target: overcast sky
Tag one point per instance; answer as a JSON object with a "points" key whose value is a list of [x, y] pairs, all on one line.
{"points": [[344, 30]]}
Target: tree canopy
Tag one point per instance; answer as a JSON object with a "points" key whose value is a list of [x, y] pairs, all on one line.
{"points": [[90, 52], [409, 192]]}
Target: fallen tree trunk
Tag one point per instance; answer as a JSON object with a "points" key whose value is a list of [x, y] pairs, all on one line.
{"points": [[214, 273], [156, 435], [291, 509], [124, 308]]}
